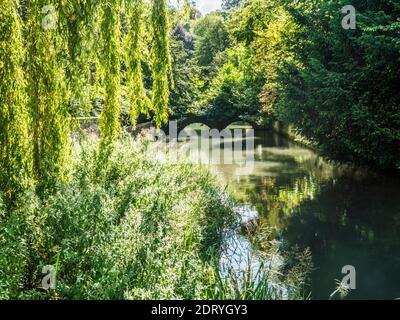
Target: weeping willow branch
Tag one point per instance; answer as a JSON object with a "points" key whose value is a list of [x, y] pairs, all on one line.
{"points": [[15, 151], [161, 64], [77, 21], [59, 37], [139, 102], [110, 68], [47, 93]]}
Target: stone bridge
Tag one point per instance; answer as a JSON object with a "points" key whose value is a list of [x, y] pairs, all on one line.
{"points": [[219, 124]]}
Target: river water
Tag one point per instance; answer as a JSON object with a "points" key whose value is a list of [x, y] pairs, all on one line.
{"points": [[345, 216]]}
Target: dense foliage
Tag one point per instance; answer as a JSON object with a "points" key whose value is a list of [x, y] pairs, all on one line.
{"points": [[215, 79], [162, 68], [233, 92], [231, 4], [337, 87], [58, 61], [186, 72], [139, 102], [47, 92], [136, 229], [212, 38], [111, 70], [113, 220], [15, 151], [294, 62], [122, 224]]}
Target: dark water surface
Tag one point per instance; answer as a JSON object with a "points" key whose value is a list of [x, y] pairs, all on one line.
{"points": [[345, 216]]}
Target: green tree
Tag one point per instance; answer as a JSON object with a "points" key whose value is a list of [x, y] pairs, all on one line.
{"points": [[233, 93], [336, 86], [212, 37], [186, 72], [342, 94]]}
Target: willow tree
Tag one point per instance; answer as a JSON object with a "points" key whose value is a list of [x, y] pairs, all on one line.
{"points": [[139, 102], [161, 64], [110, 68], [47, 92], [15, 153]]}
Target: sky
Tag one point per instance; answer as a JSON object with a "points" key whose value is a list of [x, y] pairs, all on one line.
{"points": [[205, 6]]}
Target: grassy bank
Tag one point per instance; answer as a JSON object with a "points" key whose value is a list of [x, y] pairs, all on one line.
{"points": [[128, 227]]}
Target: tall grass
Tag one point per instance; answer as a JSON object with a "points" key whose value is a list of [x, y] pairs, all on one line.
{"points": [[124, 227]]}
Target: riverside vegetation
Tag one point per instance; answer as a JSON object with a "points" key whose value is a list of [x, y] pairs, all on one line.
{"points": [[132, 228], [114, 222]]}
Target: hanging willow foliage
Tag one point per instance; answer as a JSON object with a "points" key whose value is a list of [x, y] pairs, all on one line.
{"points": [[15, 153], [47, 92], [62, 44], [161, 64], [110, 64], [77, 21], [139, 102]]}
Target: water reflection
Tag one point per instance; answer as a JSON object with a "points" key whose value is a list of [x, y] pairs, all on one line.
{"points": [[346, 216]]}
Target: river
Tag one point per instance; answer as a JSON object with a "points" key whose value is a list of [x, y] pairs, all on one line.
{"points": [[345, 216]]}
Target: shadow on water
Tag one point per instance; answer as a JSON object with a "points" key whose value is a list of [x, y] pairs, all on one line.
{"points": [[345, 216]]}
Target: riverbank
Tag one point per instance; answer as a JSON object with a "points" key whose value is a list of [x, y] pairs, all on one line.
{"points": [[125, 226], [344, 215], [290, 133]]}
